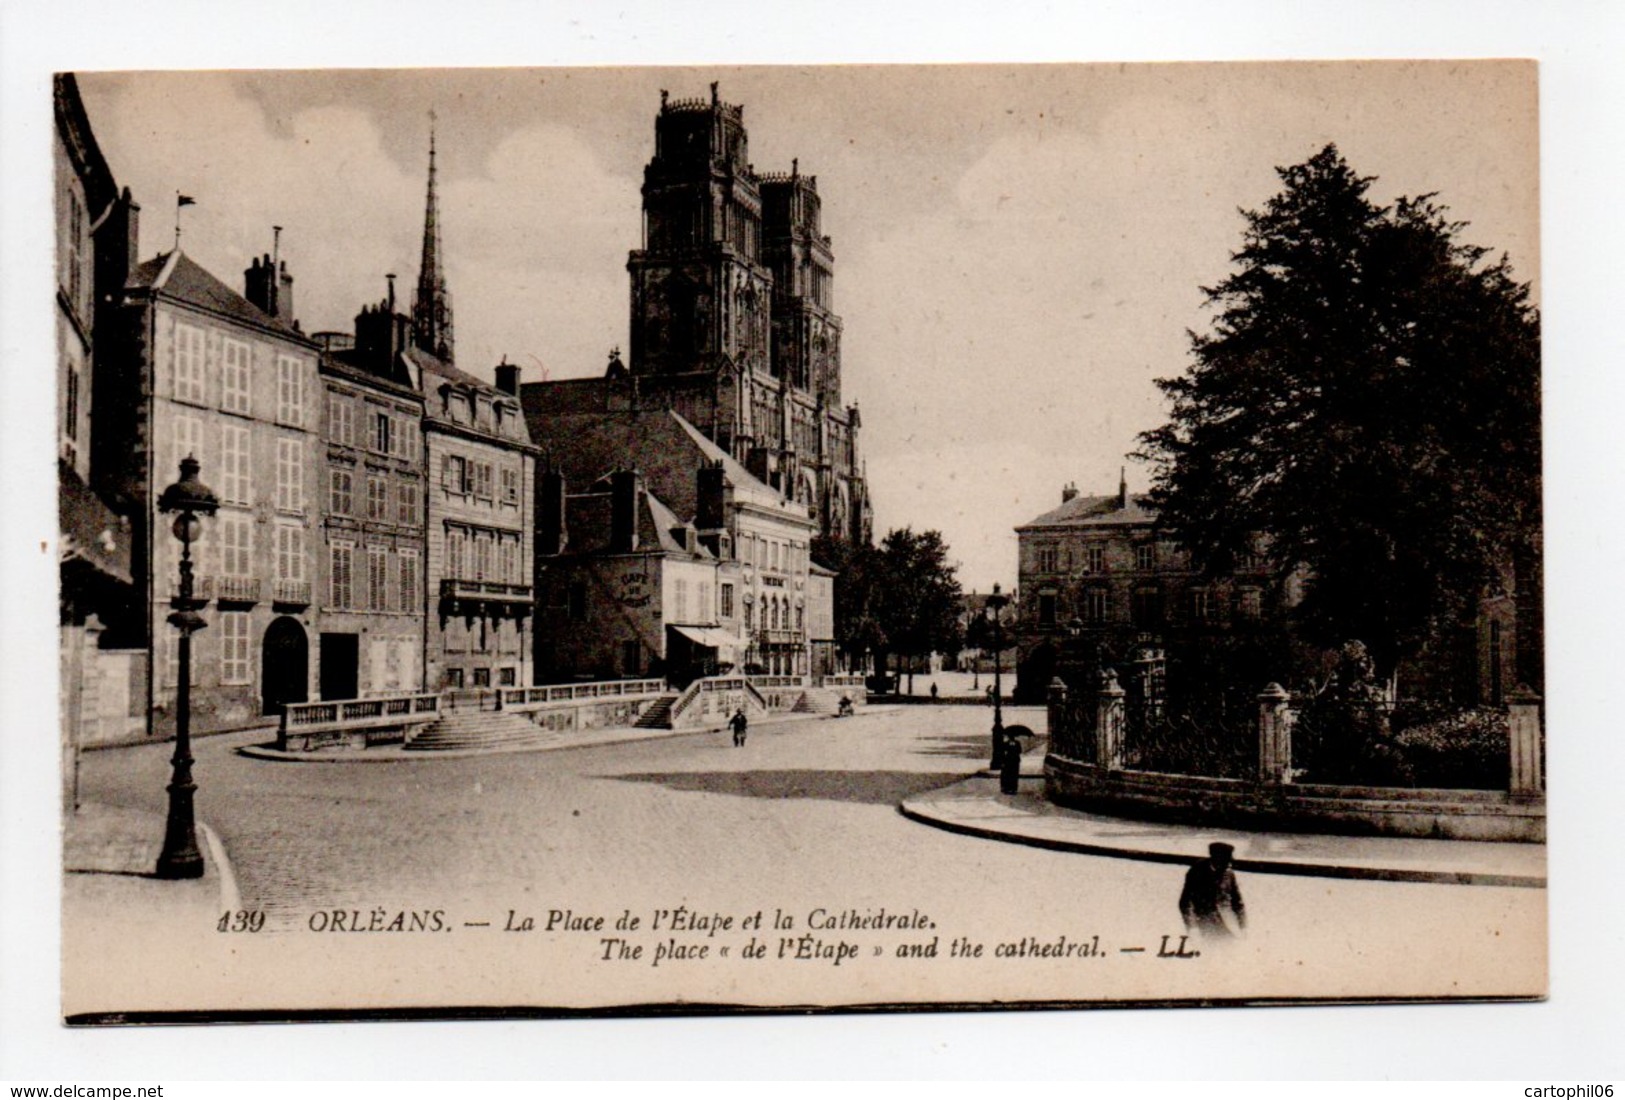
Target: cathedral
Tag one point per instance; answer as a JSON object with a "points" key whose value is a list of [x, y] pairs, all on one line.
{"points": [[732, 317]]}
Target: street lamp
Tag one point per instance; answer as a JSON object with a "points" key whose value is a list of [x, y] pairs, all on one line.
{"points": [[188, 498], [995, 604]]}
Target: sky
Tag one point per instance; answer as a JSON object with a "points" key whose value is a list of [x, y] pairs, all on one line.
{"points": [[1020, 250]]}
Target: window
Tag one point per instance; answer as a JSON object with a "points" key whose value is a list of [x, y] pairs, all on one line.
{"points": [[1094, 605], [727, 601], [234, 389], [408, 441], [342, 573], [290, 552], [482, 677], [382, 432], [189, 364], [454, 677], [679, 598], [290, 475], [1201, 604], [234, 464], [1048, 559], [411, 597], [1145, 556], [188, 440], [234, 665], [1250, 603], [70, 402], [506, 677], [407, 499], [482, 558], [290, 390], [236, 546], [1094, 559], [1147, 607], [341, 498], [377, 579], [702, 603], [377, 498], [510, 485], [454, 553], [72, 254], [340, 419], [482, 480], [508, 560], [1046, 609], [631, 657], [454, 474]]}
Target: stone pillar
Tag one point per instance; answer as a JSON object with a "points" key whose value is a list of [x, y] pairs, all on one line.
{"points": [[1523, 728], [1109, 723], [1062, 737], [1274, 735]]}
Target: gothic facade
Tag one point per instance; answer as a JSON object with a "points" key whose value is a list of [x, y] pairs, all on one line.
{"points": [[732, 314]]}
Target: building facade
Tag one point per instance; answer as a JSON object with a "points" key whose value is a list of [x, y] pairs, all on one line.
{"points": [[229, 379], [1098, 571], [374, 505]]}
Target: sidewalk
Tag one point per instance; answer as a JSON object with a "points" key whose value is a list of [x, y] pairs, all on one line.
{"points": [[108, 858], [975, 807], [544, 742]]}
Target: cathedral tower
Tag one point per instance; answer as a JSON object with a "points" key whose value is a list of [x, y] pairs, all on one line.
{"points": [[431, 308]]}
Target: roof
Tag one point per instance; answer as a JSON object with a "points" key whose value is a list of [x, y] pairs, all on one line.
{"points": [[343, 363], [91, 531], [746, 485], [1102, 511], [432, 366], [176, 276]]}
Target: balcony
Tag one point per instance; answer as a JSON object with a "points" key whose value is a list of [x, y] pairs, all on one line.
{"points": [[241, 590], [462, 596], [290, 595], [778, 638]]}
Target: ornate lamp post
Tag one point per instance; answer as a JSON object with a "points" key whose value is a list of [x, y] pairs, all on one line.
{"points": [[996, 603], [188, 498]]}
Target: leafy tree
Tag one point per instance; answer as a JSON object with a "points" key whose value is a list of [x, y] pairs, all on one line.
{"points": [[1369, 400], [916, 598], [856, 566]]}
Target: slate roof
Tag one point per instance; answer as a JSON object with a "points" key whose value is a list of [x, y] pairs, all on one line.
{"points": [[432, 366], [1104, 511], [177, 276]]}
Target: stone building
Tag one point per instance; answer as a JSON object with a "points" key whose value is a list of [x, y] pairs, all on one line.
{"points": [[760, 537], [100, 658], [732, 318], [1098, 571], [229, 379], [371, 580], [626, 589]]}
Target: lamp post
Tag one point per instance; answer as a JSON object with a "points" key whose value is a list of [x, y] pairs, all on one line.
{"points": [[188, 498], [995, 604]]}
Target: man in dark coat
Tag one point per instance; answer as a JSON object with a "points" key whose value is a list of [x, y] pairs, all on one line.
{"points": [[1211, 900], [738, 723]]}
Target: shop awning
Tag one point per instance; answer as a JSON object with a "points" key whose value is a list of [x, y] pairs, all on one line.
{"points": [[709, 636]]}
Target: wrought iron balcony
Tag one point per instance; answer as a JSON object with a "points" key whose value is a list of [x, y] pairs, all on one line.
{"points": [[233, 589], [292, 593], [458, 588]]}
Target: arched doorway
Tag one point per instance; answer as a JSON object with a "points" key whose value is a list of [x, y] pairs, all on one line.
{"points": [[284, 665]]}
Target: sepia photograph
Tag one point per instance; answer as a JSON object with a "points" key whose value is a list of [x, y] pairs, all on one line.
{"points": [[717, 539]]}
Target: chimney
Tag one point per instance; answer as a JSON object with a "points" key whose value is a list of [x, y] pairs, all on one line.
{"points": [[551, 531], [283, 302], [117, 257], [1122, 487], [1069, 492], [508, 377], [710, 497], [260, 285], [623, 512]]}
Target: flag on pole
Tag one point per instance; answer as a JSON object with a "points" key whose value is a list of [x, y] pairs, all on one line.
{"points": [[184, 200]]}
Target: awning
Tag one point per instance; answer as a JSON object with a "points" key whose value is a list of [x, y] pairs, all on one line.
{"points": [[708, 636]]}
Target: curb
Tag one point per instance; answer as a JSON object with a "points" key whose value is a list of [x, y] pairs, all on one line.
{"points": [[231, 898], [915, 810]]}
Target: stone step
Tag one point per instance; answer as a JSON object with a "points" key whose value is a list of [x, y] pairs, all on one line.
{"points": [[658, 714], [482, 730]]}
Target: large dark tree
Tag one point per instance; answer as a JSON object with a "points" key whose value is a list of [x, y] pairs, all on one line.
{"points": [[916, 595], [1369, 399], [857, 568]]}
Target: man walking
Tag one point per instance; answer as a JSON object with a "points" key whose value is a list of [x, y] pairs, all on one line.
{"points": [[1211, 900], [738, 724]]}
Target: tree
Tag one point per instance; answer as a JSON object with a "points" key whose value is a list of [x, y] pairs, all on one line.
{"points": [[916, 598], [856, 567], [1369, 400]]}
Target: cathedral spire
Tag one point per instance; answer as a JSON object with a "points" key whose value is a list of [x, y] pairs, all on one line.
{"points": [[431, 308]]}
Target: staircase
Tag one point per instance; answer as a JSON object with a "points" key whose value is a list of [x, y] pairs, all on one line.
{"points": [[657, 715], [817, 701], [474, 729]]}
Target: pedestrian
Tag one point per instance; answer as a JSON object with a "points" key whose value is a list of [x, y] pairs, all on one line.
{"points": [[933, 691], [738, 724], [1211, 900], [1010, 764]]}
